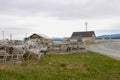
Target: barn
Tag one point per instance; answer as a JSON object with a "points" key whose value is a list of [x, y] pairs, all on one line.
{"points": [[84, 36]]}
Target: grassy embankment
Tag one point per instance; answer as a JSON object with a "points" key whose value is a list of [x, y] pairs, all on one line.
{"points": [[90, 66]]}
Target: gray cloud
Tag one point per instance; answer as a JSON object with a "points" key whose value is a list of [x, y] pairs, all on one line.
{"points": [[107, 32], [21, 16], [66, 9]]}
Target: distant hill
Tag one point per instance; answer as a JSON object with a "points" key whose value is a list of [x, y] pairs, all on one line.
{"points": [[58, 38], [112, 36]]}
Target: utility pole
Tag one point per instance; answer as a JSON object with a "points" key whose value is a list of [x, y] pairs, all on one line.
{"points": [[26, 35], [86, 23], [3, 35], [10, 36]]}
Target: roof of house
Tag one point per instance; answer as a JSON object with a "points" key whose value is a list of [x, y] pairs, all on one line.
{"points": [[83, 34], [33, 36]]}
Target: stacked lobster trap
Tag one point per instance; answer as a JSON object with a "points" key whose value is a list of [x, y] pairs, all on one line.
{"points": [[36, 46], [67, 46]]}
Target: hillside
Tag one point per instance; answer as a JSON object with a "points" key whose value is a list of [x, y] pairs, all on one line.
{"points": [[112, 36], [89, 66]]}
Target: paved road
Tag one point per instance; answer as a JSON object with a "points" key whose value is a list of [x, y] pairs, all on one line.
{"points": [[111, 49]]}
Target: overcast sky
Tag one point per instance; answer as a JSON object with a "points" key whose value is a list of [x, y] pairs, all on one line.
{"points": [[58, 18]]}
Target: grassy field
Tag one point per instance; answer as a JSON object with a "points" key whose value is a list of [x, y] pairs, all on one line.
{"points": [[90, 66]]}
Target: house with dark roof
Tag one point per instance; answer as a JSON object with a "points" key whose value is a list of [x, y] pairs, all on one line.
{"points": [[84, 36]]}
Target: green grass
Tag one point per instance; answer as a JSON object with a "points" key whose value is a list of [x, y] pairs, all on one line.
{"points": [[90, 66]]}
